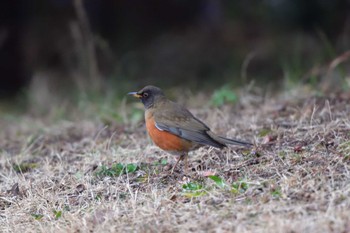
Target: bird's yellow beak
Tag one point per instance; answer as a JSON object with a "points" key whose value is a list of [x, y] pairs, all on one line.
{"points": [[135, 94]]}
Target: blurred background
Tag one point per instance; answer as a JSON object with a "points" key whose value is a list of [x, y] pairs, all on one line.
{"points": [[54, 49]]}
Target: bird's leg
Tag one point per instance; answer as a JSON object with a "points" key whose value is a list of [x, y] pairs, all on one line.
{"points": [[185, 159], [183, 156], [178, 160]]}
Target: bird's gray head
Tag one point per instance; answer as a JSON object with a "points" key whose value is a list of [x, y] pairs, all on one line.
{"points": [[148, 95]]}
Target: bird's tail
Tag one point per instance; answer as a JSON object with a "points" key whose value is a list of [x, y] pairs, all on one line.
{"points": [[225, 141], [233, 141]]}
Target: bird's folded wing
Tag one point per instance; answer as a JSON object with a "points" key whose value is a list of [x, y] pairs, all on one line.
{"points": [[185, 125]]}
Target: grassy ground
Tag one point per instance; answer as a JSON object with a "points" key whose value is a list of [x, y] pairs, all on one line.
{"points": [[81, 176]]}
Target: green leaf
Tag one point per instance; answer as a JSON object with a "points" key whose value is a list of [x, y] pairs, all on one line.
{"points": [[239, 187], [131, 167], [98, 197], [222, 96], [24, 167], [163, 162], [194, 194], [218, 181], [116, 169], [276, 193], [193, 190], [37, 216], [57, 214], [192, 186]]}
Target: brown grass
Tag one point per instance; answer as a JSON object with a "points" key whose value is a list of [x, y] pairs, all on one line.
{"points": [[296, 178]]}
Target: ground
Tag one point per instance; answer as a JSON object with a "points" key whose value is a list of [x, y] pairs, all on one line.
{"points": [[84, 175]]}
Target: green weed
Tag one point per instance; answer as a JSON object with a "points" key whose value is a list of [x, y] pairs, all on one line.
{"points": [[223, 96], [218, 181], [37, 216], [116, 169], [24, 167], [57, 213], [193, 189], [239, 187]]}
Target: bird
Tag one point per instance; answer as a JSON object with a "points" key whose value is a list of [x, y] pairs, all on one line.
{"points": [[175, 129]]}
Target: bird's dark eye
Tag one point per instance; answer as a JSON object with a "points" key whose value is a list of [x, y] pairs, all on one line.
{"points": [[145, 95]]}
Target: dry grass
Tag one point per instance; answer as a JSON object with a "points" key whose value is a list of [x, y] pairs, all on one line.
{"points": [[295, 180]]}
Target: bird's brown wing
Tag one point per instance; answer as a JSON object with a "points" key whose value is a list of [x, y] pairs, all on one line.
{"points": [[179, 121]]}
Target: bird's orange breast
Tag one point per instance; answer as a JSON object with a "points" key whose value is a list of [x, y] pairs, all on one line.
{"points": [[165, 140]]}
